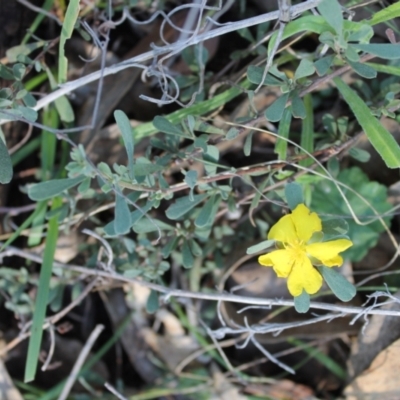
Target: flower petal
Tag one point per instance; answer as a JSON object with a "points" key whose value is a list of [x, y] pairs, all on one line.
{"points": [[328, 252], [304, 276], [281, 260], [284, 230], [305, 222]]}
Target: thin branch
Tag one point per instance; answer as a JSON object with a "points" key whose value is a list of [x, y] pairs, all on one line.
{"points": [[79, 362], [142, 58], [13, 251]]}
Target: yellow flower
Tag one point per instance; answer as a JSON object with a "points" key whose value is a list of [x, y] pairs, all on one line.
{"points": [[292, 260]]}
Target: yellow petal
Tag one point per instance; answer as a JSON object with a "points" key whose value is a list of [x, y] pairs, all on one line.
{"points": [[305, 222], [281, 260], [304, 276], [328, 252], [284, 230]]}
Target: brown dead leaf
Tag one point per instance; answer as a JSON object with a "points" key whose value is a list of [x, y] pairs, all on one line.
{"points": [[282, 389], [381, 380]]}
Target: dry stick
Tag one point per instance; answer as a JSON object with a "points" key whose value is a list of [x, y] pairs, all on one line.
{"points": [[52, 348], [358, 311], [51, 320], [114, 391], [135, 61], [79, 362]]}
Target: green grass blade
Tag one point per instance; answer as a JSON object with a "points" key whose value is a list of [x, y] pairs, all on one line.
{"points": [[42, 296], [385, 69], [40, 207], [6, 170], [25, 151], [325, 360], [200, 108], [37, 21], [380, 138], [55, 391], [307, 130], [386, 14], [66, 32], [283, 132]]}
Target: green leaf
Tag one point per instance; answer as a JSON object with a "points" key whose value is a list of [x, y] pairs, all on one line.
{"points": [[283, 132], [29, 100], [323, 64], [387, 14], [25, 49], [71, 16], [152, 304], [327, 200], [363, 70], [359, 154], [211, 157], [6, 169], [294, 195], [383, 50], [305, 68], [124, 126], [380, 138], [123, 221], [307, 130], [259, 247], [275, 111], [170, 246], [6, 73], [146, 225], [309, 23], [42, 296], [339, 285], [27, 113], [334, 227], [163, 125], [247, 144], [207, 213], [47, 190], [19, 71], [145, 168], [332, 12], [232, 133], [298, 108], [255, 74], [62, 104], [191, 180], [187, 256], [363, 34], [385, 69], [302, 302], [184, 205]]}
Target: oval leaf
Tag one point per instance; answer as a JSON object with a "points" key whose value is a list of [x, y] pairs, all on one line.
{"points": [[49, 189], [339, 285], [6, 169], [124, 126], [275, 111], [379, 137], [184, 205], [363, 70], [163, 125], [257, 248], [332, 12], [123, 219], [302, 302], [383, 50], [187, 256], [207, 213], [294, 195]]}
